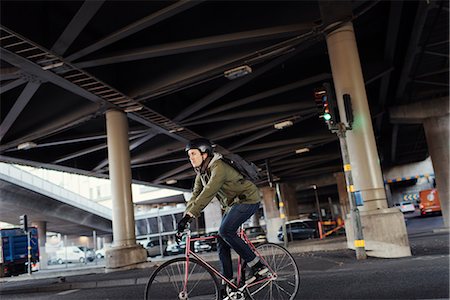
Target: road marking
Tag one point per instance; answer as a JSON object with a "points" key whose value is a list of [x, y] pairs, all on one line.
{"points": [[68, 292]]}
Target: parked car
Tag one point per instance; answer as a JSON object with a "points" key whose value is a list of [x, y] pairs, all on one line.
{"points": [[173, 249], [256, 235], [100, 253], [406, 207], [153, 248], [201, 246], [297, 230], [73, 254]]}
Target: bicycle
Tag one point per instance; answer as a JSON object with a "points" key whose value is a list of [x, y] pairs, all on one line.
{"points": [[192, 277]]}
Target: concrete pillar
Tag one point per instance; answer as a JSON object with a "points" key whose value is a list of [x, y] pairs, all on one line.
{"points": [[125, 251], [42, 239], [271, 213], [437, 135], [343, 195], [213, 216], [290, 201], [434, 115], [366, 170]]}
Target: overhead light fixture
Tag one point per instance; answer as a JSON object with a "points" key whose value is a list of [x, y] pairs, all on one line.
{"points": [[283, 124], [171, 181], [26, 146], [302, 150], [133, 108], [237, 72], [52, 66], [176, 130]]}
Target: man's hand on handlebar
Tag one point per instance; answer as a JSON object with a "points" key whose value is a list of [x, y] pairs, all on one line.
{"points": [[182, 225]]}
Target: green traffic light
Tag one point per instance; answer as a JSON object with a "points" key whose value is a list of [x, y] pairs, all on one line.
{"points": [[327, 117]]}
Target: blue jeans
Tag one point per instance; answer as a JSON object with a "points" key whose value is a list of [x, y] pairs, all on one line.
{"points": [[228, 237]]}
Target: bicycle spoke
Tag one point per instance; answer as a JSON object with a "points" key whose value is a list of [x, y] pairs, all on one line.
{"points": [[285, 283]]}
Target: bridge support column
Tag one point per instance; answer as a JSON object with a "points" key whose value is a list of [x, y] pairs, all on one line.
{"points": [[125, 251], [434, 115], [384, 229], [290, 201], [42, 239], [271, 213]]}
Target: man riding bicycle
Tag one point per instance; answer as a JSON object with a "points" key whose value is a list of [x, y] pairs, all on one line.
{"points": [[238, 197]]}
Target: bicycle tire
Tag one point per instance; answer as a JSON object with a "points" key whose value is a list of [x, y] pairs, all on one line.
{"points": [[287, 280], [166, 282]]}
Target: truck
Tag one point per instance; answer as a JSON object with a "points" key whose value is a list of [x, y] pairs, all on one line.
{"points": [[429, 202], [14, 250]]}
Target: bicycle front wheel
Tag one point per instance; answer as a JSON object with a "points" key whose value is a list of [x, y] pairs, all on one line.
{"points": [[285, 280], [168, 280]]}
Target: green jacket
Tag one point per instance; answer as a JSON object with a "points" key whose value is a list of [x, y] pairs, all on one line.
{"points": [[222, 181]]}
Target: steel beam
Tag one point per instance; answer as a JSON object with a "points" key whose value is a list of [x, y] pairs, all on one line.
{"points": [[79, 21], [137, 26], [18, 106], [233, 85], [262, 95], [11, 85], [9, 73], [299, 107], [416, 32], [225, 40]]}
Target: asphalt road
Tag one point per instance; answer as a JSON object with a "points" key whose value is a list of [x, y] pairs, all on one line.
{"points": [[327, 275]]}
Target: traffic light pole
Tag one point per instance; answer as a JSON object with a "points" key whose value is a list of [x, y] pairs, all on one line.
{"points": [[354, 211], [29, 251]]}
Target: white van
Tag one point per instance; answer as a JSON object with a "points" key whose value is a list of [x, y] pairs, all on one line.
{"points": [[74, 254]]}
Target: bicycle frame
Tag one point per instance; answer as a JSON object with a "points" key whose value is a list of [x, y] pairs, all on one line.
{"points": [[189, 253]]}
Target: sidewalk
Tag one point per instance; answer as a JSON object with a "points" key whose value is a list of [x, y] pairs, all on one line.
{"points": [[97, 277]]}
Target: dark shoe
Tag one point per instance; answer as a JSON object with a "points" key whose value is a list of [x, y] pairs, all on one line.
{"points": [[258, 271]]}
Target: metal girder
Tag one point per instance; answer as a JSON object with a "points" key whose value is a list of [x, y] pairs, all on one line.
{"points": [[389, 51], [305, 107], [160, 162], [432, 82], [157, 152], [172, 172], [252, 138], [79, 21], [18, 106], [217, 94], [219, 68], [11, 85], [9, 73], [303, 165], [313, 172], [262, 95], [434, 53], [416, 32], [133, 145], [81, 153], [444, 70], [44, 75], [304, 159], [199, 44], [395, 129], [64, 123], [87, 151], [146, 22], [308, 139], [237, 129]]}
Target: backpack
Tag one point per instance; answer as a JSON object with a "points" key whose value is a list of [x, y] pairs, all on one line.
{"points": [[249, 170]]}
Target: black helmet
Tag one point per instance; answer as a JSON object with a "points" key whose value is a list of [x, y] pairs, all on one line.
{"points": [[201, 144]]}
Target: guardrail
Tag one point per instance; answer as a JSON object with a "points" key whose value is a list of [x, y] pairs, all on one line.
{"points": [[34, 183]]}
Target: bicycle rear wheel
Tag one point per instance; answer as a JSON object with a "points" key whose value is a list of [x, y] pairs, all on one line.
{"points": [[167, 281], [286, 278]]}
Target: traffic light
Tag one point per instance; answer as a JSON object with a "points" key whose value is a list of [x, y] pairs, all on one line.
{"points": [[326, 105], [24, 223]]}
